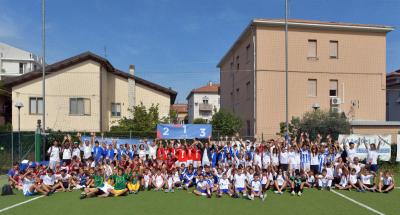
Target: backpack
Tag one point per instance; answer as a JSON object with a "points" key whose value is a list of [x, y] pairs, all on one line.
{"points": [[6, 190]]}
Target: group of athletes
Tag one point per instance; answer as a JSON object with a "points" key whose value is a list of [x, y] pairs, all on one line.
{"points": [[228, 166]]}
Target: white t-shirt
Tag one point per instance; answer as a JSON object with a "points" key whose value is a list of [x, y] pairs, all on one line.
{"points": [[76, 152], [48, 180], [159, 180], [224, 184], [67, 154], [65, 178], [240, 180], [280, 179], [54, 153], [87, 151], [351, 153], [353, 178], [314, 159], [387, 181], [366, 179], [372, 157], [27, 184], [283, 158], [256, 185]]}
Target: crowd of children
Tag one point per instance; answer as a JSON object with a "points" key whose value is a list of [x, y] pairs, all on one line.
{"points": [[228, 166]]}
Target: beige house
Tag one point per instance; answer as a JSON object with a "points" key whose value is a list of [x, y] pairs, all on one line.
{"points": [[84, 93], [331, 66]]}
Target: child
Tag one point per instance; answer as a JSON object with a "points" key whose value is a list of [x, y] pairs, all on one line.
{"points": [[386, 182], [29, 186], [224, 186], [96, 186], [344, 181], [280, 182], [310, 182], [119, 182], [297, 183], [202, 188], [366, 180], [158, 181], [49, 182], [353, 180], [324, 180], [240, 183], [256, 188], [170, 185], [146, 179], [133, 184]]}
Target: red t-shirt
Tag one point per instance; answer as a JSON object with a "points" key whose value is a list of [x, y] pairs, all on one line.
{"points": [[182, 155], [161, 154], [197, 155], [190, 154]]}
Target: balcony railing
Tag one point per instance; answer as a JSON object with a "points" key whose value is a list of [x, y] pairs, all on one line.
{"points": [[205, 107]]}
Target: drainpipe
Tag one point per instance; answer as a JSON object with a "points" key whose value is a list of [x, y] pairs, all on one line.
{"points": [[254, 83], [131, 88]]}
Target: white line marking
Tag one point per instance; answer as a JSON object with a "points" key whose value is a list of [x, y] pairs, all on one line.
{"points": [[18, 204], [358, 203]]}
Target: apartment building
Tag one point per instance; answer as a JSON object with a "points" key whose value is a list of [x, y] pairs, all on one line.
{"points": [[84, 93], [182, 113], [393, 96], [203, 102], [16, 62], [332, 65]]}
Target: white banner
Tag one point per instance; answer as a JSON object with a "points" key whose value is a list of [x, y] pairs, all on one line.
{"points": [[398, 148], [361, 140]]}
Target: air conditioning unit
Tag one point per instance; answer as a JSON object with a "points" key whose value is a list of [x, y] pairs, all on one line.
{"points": [[336, 101]]}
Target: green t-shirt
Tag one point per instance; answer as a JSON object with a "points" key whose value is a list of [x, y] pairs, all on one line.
{"points": [[98, 181], [134, 177], [120, 182]]}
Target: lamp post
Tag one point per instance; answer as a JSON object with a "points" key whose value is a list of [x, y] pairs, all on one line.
{"points": [[19, 105]]}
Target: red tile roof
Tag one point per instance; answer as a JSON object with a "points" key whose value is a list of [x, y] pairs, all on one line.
{"points": [[209, 88], [180, 108]]}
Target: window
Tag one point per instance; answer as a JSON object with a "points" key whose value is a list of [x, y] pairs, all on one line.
{"points": [[35, 105], [333, 88], [21, 68], [312, 48], [79, 106], [205, 100], [248, 53], [333, 49], [312, 88], [248, 90], [115, 109]]}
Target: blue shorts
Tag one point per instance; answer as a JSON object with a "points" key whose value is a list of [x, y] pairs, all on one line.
{"points": [[29, 193], [224, 191], [240, 189], [201, 190]]}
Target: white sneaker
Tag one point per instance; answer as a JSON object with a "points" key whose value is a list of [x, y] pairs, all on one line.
{"points": [[276, 192], [281, 192], [293, 193], [263, 197], [299, 193]]}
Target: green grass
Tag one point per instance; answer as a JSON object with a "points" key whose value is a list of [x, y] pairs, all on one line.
{"points": [[182, 202]]}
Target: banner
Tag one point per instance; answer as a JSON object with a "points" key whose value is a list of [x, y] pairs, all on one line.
{"points": [[183, 131], [360, 140], [398, 148], [108, 140]]}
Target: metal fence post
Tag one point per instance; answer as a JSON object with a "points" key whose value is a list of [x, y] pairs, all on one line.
{"points": [[12, 147]]}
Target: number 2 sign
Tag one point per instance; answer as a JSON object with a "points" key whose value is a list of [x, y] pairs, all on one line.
{"points": [[183, 131]]}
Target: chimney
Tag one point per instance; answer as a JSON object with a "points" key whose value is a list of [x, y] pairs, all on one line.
{"points": [[210, 83], [132, 69], [131, 88]]}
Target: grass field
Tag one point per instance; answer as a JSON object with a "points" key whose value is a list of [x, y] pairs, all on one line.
{"points": [[182, 202]]}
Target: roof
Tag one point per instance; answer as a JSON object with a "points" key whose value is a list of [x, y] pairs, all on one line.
{"points": [[81, 58], [209, 88], [374, 123], [311, 24], [180, 108]]}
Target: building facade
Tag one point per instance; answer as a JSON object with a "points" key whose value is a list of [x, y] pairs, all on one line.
{"points": [[84, 93], [16, 62], [393, 96], [203, 102], [338, 66], [181, 113]]}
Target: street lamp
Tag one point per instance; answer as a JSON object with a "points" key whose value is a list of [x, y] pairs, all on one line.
{"points": [[315, 106], [19, 105]]}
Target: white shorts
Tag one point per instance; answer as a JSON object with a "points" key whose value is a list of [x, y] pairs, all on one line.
{"points": [[188, 162], [105, 188]]}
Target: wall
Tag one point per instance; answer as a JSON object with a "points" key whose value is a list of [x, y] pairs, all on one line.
{"points": [[213, 99], [393, 104], [149, 96], [359, 69], [81, 80]]}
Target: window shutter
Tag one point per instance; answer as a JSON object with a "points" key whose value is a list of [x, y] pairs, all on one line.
{"points": [[333, 51]]}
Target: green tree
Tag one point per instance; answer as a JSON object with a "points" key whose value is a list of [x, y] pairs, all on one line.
{"points": [[143, 120], [319, 122], [226, 123], [200, 121]]}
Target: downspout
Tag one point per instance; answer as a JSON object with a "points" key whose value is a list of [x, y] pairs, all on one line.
{"points": [[254, 83]]}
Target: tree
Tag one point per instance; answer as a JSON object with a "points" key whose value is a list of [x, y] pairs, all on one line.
{"points": [[200, 121], [318, 122], [143, 120], [226, 123]]}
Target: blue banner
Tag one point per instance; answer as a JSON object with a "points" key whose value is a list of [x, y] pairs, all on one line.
{"points": [[184, 131], [108, 140]]}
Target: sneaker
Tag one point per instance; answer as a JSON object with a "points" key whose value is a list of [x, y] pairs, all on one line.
{"points": [[208, 195], [83, 195], [293, 193], [251, 198], [219, 196], [299, 193], [172, 190], [262, 198], [166, 191], [328, 188], [276, 192], [281, 193]]}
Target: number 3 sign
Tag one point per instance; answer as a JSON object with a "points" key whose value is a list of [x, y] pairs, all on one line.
{"points": [[183, 131]]}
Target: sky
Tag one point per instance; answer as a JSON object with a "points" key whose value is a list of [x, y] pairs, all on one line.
{"points": [[175, 43]]}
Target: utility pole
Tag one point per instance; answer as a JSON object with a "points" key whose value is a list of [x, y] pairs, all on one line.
{"points": [[286, 72], [43, 77]]}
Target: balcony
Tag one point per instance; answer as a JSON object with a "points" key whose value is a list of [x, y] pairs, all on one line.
{"points": [[205, 107]]}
